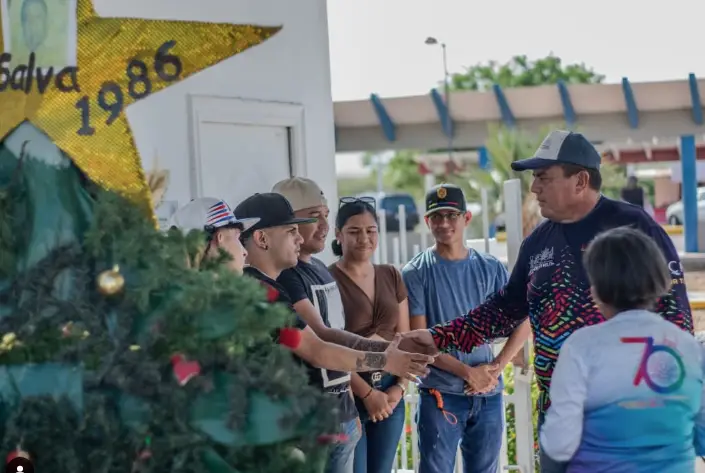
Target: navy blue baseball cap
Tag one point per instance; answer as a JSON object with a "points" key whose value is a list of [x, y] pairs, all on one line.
{"points": [[445, 197], [562, 147]]}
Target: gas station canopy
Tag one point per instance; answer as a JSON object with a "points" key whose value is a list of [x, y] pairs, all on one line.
{"points": [[635, 117]]}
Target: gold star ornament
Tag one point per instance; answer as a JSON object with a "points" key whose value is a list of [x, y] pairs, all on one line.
{"points": [[119, 61]]}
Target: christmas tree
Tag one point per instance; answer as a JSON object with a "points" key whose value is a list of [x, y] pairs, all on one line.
{"points": [[120, 354]]}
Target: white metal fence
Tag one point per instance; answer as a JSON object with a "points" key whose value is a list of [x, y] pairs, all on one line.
{"points": [[407, 458], [408, 455]]}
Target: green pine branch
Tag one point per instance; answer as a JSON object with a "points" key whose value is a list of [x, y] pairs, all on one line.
{"points": [[86, 380]]}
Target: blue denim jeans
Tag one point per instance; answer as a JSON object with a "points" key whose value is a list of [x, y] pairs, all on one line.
{"points": [[340, 458], [378, 445], [478, 430]]}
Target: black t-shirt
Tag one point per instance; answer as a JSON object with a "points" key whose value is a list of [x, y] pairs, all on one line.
{"points": [[282, 296], [314, 282]]}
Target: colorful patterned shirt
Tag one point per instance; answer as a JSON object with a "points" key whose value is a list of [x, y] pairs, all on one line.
{"points": [[549, 285]]}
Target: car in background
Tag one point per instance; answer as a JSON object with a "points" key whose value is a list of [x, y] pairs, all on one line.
{"points": [[390, 202], [674, 212], [499, 223]]}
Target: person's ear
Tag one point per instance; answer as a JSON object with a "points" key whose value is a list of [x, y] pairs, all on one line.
{"points": [[261, 239], [468, 217], [583, 181]]}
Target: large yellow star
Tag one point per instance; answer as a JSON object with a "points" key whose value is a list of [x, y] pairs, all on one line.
{"points": [[84, 112]]}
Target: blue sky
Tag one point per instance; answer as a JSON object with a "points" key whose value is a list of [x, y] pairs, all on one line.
{"points": [[378, 45]]}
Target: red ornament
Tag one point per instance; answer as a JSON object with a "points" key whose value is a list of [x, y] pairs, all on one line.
{"points": [[17, 453], [332, 438], [290, 337], [184, 370], [272, 294]]}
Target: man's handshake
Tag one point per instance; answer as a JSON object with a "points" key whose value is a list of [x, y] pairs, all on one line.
{"points": [[409, 354]]}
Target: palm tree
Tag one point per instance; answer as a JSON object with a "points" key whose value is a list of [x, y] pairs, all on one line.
{"points": [[504, 145]]}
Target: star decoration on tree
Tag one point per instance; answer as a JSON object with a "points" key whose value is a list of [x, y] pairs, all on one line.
{"points": [[120, 61]]}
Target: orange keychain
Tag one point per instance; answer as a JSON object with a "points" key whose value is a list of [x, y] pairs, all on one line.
{"points": [[450, 417]]}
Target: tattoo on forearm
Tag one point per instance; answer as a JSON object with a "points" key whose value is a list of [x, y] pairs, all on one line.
{"points": [[370, 345], [371, 361], [356, 342]]}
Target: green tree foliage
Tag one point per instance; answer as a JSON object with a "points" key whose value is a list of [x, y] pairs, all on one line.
{"points": [[402, 174], [88, 378], [520, 71]]}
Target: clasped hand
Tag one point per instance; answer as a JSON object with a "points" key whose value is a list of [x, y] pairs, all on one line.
{"points": [[482, 379], [380, 404]]}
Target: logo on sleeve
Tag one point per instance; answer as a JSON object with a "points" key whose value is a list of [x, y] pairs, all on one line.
{"points": [[676, 269], [543, 259]]}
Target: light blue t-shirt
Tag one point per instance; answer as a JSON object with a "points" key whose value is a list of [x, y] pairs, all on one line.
{"points": [[626, 396], [443, 290]]}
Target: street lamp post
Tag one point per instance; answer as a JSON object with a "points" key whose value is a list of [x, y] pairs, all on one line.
{"points": [[431, 41]]}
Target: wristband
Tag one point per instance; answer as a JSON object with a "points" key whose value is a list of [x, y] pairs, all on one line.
{"points": [[368, 394]]}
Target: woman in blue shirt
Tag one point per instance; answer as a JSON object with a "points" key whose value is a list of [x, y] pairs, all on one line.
{"points": [[626, 394]]}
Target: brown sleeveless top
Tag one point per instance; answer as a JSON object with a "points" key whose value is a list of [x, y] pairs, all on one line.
{"points": [[366, 317]]}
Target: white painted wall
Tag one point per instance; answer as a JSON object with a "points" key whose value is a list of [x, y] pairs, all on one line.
{"points": [[293, 67]]}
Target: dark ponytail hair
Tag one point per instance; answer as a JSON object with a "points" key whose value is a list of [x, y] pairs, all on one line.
{"points": [[337, 249], [345, 212]]}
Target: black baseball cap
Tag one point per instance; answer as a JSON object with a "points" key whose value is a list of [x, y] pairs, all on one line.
{"points": [[272, 209], [445, 197], [562, 147]]}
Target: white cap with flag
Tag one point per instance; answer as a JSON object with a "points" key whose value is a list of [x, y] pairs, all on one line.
{"points": [[209, 214]]}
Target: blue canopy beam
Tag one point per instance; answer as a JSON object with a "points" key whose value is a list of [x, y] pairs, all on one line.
{"points": [[442, 108], [568, 111], [689, 189], [504, 108], [632, 110], [385, 121], [695, 99], [483, 158]]}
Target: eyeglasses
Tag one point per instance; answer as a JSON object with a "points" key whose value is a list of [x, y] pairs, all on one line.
{"points": [[353, 200], [452, 217]]}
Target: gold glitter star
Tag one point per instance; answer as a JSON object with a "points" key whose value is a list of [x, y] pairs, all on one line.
{"points": [[119, 61]]}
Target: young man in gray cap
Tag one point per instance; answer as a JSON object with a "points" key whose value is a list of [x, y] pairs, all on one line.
{"points": [[548, 281]]}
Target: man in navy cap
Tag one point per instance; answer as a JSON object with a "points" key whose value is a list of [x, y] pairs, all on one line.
{"points": [[548, 282]]}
